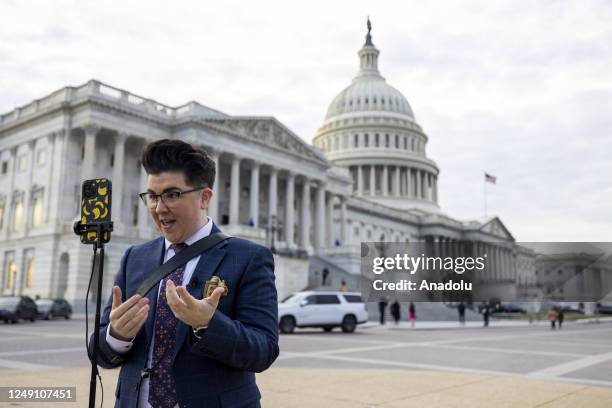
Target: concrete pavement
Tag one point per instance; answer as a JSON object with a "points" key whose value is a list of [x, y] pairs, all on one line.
{"points": [[363, 388]]}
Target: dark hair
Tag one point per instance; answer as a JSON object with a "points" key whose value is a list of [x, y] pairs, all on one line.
{"points": [[175, 155]]}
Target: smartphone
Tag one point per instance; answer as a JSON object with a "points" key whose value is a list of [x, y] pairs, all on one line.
{"points": [[95, 207]]}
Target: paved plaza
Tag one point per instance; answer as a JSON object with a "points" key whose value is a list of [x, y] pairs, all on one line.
{"points": [[513, 365]]}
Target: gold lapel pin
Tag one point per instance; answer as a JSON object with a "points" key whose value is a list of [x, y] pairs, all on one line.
{"points": [[212, 284]]}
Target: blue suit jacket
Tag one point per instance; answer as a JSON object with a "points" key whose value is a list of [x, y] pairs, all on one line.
{"points": [[242, 337]]}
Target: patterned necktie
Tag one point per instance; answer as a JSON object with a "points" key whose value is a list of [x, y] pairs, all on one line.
{"points": [[162, 390]]}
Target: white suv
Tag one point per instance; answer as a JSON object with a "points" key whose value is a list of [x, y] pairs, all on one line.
{"points": [[322, 309]]}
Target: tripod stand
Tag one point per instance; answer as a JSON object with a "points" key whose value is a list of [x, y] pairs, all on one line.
{"points": [[100, 228]]}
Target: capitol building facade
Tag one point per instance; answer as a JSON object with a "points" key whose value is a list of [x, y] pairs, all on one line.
{"points": [[366, 177]]}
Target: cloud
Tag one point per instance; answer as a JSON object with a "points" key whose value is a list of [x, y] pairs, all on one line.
{"points": [[520, 90]]}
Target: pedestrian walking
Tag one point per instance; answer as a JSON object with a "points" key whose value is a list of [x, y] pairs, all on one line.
{"points": [[382, 306], [485, 310], [412, 314], [552, 315], [461, 311], [395, 311], [560, 316]]}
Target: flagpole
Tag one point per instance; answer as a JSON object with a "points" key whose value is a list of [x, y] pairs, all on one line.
{"points": [[485, 195]]}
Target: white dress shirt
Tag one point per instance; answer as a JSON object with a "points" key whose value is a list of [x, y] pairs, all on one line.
{"points": [[120, 346]]}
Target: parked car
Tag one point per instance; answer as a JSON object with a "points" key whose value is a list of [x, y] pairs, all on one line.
{"points": [[603, 309], [51, 308], [322, 309], [507, 308], [17, 307]]}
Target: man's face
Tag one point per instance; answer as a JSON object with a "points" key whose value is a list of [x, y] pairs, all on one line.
{"points": [[181, 219]]}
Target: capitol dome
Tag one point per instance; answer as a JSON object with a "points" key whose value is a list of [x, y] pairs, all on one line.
{"points": [[369, 93], [370, 129]]}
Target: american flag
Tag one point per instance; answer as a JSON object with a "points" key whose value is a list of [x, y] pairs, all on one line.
{"points": [[490, 178]]}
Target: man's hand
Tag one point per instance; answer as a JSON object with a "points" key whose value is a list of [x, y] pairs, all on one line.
{"points": [[126, 319], [191, 311]]}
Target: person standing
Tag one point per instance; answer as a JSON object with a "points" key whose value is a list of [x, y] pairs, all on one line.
{"points": [[179, 345], [461, 311], [485, 310], [382, 307], [552, 316], [412, 314], [395, 311], [560, 316]]}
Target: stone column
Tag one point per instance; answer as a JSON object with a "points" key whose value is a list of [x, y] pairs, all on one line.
{"points": [[254, 195], [359, 180], [289, 210], [10, 197], [273, 197], [90, 151], [235, 191], [118, 176], [435, 189], [320, 226], [330, 220], [408, 182], [27, 202], [372, 180], [142, 208], [385, 180], [51, 186], [419, 190], [396, 185], [57, 176], [305, 216], [213, 205], [343, 223]]}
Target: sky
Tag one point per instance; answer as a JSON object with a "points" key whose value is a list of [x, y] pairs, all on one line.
{"points": [[520, 90]]}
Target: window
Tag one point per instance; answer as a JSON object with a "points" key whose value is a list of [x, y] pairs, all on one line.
{"points": [[112, 160], [29, 269], [22, 162], [396, 141], [327, 299], [376, 140], [11, 274], [405, 143], [18, 215], [4, 167], [387, 140], [82, 152], [367, 140], [41, 157], [1, 213], [356, 141], [353, 298], [37, 210]]}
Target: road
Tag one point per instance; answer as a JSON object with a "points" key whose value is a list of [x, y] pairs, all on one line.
{"points": [[388, 366]]}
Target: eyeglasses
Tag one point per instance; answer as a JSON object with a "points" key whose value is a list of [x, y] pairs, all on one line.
{"points": [[169, 198]]}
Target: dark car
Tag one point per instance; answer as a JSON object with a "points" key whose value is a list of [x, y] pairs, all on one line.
{"points": [[507, 308], [52, 308], [19, 307], [603, 309]]}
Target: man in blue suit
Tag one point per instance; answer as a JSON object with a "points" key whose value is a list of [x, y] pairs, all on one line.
{"points": [[175, 346]]}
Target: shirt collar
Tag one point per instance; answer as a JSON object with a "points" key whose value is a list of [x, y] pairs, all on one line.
{"points": [[201, 233]]}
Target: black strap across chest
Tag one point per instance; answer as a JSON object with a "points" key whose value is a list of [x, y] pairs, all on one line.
{"points": [[179, 260]]}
